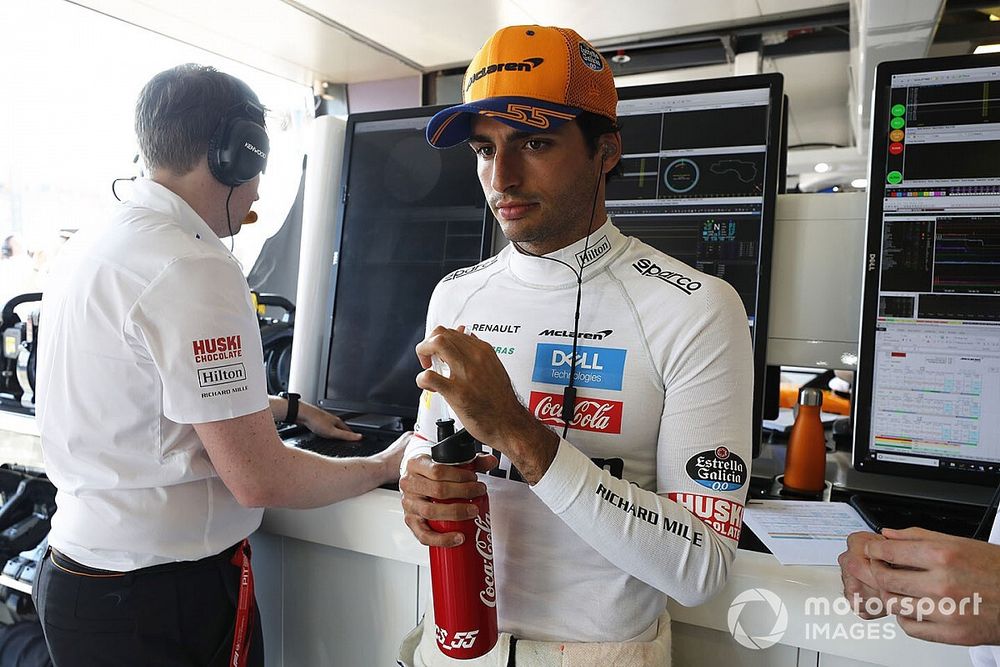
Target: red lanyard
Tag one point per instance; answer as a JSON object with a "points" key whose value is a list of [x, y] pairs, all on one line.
{"points": [[244, 607]]}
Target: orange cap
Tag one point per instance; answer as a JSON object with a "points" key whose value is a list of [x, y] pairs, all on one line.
{"points": [[532, 78]]}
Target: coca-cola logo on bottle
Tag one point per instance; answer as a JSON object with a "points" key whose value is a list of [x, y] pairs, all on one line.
{"points": [[484, 546], [592, 414]]}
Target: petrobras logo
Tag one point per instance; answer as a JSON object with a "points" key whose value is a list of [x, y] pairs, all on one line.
{"points": [[648, 268], [592, 414], [721, 515], [211, 377], [217, 349], [525, 65], [596, 367]]}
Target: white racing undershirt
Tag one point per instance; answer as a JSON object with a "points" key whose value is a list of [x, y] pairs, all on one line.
{"points": [[645, 498]]}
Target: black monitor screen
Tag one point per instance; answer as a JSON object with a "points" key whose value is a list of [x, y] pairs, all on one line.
{"points": [[700, 162], [929, 369], [411, 215]]}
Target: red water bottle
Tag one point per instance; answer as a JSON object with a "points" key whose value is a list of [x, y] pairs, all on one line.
{"points": [[462, 577]]}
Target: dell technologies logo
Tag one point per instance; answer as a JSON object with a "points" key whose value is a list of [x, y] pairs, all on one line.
{"points": [[525, 65]]}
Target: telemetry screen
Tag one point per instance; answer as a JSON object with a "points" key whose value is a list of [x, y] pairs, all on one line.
{"points": [[935, 364]]}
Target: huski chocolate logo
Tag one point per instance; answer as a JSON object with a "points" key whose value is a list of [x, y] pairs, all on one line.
{"points": [[723, 516], [217, 349]]}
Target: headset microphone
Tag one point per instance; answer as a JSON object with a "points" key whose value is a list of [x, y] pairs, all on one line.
{"points": [[250, 218], [115, 183]]}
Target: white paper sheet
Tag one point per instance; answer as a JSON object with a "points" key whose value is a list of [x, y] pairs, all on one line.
{"points": [[802, 532]]}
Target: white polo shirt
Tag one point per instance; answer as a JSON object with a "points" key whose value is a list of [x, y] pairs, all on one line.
{"points": [[147, 328]]}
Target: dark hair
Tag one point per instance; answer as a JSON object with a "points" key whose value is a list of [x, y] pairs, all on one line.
{"points": [[594, 126], [179, 110]]}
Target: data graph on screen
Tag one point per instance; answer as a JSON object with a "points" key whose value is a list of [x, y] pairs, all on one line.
{"points": [[929, 371]]}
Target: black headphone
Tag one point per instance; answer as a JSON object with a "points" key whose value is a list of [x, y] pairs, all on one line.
{"points": [[237, 150]]}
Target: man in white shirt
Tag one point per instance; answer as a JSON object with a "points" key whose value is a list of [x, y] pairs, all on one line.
{"points": [[922, 564], [155, 423], [642, 496]]}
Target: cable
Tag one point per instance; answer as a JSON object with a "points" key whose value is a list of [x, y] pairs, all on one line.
{"points": [[569, 393], [229, 223], [984, 522]]}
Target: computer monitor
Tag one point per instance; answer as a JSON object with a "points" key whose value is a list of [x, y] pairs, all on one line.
{"points": [[928, 382], [701, 162], [411, 215]]}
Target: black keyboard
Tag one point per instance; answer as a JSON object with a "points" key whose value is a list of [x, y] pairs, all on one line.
{"points": [[897, 512], [370, 443]]}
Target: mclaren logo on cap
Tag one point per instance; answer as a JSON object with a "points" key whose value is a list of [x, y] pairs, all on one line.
{"points": [[525, 65]]}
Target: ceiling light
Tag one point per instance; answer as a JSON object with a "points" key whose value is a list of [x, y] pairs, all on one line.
{"points": [[994, 17], [987, 48], [821, 167], [859, 183]]}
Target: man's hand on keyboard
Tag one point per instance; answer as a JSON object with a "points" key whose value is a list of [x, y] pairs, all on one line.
{"points": [[324, 424], [953, 584]]}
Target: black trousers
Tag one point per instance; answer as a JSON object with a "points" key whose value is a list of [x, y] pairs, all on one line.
{"points": [[179, 614]]}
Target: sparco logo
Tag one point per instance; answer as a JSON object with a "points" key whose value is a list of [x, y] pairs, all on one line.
{"points": [[564, 333], [591, 414], [681, 282], [253, 149], [484, 546], [210, 377], [525, 65], [471, 269]]}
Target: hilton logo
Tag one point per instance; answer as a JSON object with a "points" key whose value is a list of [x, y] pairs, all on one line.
{"points": [[211, 377]]}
